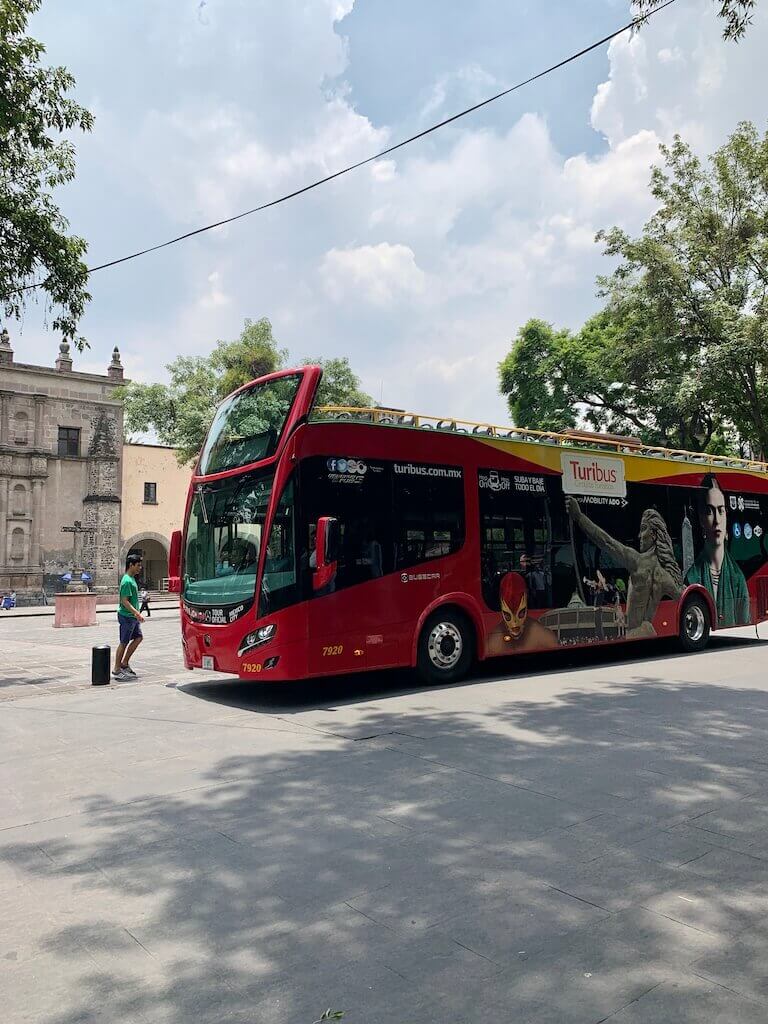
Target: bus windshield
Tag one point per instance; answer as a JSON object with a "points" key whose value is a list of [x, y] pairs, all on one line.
{"points": [[224, 535], [247, 427]]}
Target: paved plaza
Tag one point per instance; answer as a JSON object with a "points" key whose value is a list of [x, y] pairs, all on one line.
{"points": [[564, 840]]}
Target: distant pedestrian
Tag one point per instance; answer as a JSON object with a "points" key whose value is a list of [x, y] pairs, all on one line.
{"points": [[130, 619], [145, 603]]}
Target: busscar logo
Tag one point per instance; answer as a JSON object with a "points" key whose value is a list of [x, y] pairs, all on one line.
{"points": [[416, 577]]}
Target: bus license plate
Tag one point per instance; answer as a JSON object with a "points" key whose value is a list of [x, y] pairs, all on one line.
{"points": [[208, 663]]}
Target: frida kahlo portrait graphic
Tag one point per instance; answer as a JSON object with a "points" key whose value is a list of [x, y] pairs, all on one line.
{"points": [[714, 568]]}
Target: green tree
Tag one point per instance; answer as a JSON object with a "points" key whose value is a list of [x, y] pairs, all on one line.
{"points": [[531, 378], [179, 413], [35, 112], [698, 275], [340, 384], [737, 14]]}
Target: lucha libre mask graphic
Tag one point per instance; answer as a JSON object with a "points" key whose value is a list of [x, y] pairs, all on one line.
{"points": [[514, 604]]}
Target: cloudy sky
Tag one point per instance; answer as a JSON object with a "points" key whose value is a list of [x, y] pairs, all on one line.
{"points": [[420, 268]]}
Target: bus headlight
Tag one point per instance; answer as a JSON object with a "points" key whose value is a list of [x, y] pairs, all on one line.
{"points": [[258, 637]]}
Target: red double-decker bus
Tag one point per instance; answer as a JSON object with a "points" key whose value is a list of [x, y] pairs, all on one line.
{"points": [[319, 541]]}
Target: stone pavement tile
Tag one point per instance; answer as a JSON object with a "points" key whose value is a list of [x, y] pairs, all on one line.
{"points": [[618, 879], [27, 929], [750, 846], [731, 868], [305, 877], [197, 990], [691, 1000], [436, 962], [652, 935], [741, 967], [516, 924], [79, 838], [582, 789], [415, 906], [549, 851], [615, 829], [515, 814], [671, 848], [278, 832], [694, 767], [249, 931], [585, 985], [711, 907], [47, 990], [743, 820], [368, 994]]}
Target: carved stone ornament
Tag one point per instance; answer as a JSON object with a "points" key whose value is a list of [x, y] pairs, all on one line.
{"points": [[104, 441]]}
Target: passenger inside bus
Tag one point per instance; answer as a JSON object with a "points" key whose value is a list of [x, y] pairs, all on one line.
{"points": [[237, 556]]}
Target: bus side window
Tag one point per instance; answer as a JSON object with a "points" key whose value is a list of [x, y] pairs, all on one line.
{"points": [[428, 512], [361, 502], [515, 536]]}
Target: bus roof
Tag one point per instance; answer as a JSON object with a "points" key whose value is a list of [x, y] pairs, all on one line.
{"points": [[576, 439]]}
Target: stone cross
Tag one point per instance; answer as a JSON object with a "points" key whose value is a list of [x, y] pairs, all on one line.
{"points": [[78, 530]]}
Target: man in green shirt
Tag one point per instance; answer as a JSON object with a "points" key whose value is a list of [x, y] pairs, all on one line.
{"points": [[130, 618]]}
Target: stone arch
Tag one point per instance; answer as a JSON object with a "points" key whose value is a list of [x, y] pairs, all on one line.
{"points": [[19, 500], [18, 546], [155, 548], [20, 428]]}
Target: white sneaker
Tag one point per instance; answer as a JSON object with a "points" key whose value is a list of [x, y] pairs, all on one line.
{"points": [[120, 676], [128, 671]]}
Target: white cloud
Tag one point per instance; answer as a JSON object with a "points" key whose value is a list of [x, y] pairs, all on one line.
{"points": [[459, 88], [420, 267], [380, 274]]}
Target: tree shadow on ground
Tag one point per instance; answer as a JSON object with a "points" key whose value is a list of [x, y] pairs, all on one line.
{"points": [[564, 859]]}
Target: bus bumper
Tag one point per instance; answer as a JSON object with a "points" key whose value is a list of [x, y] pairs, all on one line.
{"points": [[216, 650]]}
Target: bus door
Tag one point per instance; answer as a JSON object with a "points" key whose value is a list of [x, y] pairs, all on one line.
{"points": [[349, 618]]}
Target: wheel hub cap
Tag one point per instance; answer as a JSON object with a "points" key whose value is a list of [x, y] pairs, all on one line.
{"points": [[694, 623], [445, 646]]}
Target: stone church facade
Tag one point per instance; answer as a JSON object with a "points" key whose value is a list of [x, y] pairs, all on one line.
{"points": [[61, 442]]}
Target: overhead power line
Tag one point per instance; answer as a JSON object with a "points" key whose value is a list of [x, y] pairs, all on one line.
{"points": [[384, 152]]}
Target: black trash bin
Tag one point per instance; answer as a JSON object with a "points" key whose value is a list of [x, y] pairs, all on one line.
{"points": [[100, 661]]}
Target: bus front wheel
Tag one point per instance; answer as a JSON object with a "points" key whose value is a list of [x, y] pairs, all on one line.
{"points": [[694, 624], [446, 647]]}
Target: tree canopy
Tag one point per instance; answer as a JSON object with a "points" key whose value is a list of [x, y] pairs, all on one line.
{"points": [[679, 354], [179, 413], [35, 158], [736, 14]]}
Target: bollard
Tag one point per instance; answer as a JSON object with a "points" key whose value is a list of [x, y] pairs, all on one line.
{"points": [[100, 664]]}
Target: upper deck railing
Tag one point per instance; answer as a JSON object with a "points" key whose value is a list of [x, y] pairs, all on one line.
{"points": [[623, 446]]}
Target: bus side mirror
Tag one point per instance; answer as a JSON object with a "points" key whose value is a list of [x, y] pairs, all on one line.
{"points": [[174, 563], [326, 552]]}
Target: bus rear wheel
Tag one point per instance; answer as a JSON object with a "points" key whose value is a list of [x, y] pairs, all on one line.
{"points": [[694, 624], [446, 647]]}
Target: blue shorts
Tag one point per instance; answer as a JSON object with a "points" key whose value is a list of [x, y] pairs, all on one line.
{"points": [[130, 629]]}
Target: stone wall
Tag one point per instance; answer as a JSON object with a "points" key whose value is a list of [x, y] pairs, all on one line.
{"points": [[43, 489]]}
